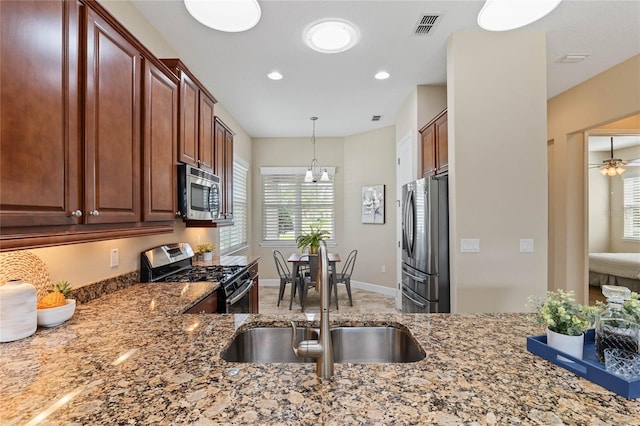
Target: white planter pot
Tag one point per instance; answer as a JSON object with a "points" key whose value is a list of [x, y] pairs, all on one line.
{"points": [[572, 345], [207, 256]]}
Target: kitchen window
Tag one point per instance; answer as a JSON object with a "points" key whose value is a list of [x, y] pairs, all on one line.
{"points": [[233, 238], [290, 206], [631, 208]]}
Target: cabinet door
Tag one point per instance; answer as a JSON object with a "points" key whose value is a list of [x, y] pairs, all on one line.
{"points": [[228, 175], [39, 123], [442, 144], [159, 145], [206, 134], [188, 138], [112, 125], [428, 137]]}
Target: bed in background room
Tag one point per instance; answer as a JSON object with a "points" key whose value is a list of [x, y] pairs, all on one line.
{"points": [[615, 269]]}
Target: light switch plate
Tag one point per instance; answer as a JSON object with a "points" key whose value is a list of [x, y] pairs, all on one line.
{"points": [[470, 245], [526, 245]]}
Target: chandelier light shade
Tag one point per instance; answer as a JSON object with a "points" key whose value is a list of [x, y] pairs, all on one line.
{"points": [[315, 172], [230, 16], [505, 15]]}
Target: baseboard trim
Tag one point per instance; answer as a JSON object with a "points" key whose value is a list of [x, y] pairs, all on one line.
{"points": [[375, 288]]}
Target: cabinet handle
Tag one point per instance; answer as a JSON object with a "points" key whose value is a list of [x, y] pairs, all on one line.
{"points": [[76, 213], [94, 213]]}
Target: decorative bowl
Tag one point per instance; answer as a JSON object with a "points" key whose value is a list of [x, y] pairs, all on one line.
{"points": [[51, 317]]}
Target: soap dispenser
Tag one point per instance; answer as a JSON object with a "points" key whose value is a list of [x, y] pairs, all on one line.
{"points": [[614, 327]]}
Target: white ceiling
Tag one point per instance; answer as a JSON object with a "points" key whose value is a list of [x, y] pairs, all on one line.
{"points": [[340, 88], [603, 142]]}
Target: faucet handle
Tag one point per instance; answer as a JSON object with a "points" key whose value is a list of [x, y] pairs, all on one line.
{"points": [[293, 338]]}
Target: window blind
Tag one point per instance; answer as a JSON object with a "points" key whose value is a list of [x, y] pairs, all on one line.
{"points": [[632, 208], [291, 206], [235, 237]]}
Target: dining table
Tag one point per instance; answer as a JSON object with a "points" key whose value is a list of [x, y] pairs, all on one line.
{"points": [[302, 259]]}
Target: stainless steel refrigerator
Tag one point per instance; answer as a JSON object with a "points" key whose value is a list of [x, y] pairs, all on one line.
{"points": [[425, 245]]}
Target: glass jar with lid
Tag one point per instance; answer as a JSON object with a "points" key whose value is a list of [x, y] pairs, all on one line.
{"points": [[614, 327]]}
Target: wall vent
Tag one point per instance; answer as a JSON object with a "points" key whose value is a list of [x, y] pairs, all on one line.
{"points": [[426, 23], [376, 118]]}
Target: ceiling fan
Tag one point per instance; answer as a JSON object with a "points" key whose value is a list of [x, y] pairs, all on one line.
{"points": [[614, 166]]}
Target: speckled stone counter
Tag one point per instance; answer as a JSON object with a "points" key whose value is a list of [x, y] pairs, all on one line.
{"points": [[133, 357]]}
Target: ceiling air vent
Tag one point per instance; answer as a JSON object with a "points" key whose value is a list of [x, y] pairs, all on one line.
{"points": [[426, 24], [376, 118]]}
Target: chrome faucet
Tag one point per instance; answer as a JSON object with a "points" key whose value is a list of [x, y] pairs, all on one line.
{"points": [[321, 349]]}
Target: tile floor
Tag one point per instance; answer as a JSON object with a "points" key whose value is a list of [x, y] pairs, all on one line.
{"points": [[363, 301]]}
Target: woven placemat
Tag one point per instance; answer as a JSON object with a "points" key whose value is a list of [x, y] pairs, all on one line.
{"points": [[25, 266]]}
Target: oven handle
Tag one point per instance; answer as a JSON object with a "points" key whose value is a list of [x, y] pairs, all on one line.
{"points": [[422, 305], [241, 295]]}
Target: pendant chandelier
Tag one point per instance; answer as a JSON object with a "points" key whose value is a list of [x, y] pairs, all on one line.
{"points": [[612, 166], [315, 172]]}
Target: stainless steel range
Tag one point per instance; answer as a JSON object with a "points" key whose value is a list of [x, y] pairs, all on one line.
{"points": [[174, 263]]}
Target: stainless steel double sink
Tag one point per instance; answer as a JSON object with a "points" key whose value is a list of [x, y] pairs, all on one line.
{"points": [[376, 344]]}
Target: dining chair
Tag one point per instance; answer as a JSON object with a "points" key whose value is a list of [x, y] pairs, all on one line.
{"points": [[344, 277], [285, 277], [308, 279]]}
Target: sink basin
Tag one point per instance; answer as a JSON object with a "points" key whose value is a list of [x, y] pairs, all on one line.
{"points": [[378, 344]]}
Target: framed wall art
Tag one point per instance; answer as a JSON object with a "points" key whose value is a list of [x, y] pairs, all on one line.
{"points": [[373, 204]]}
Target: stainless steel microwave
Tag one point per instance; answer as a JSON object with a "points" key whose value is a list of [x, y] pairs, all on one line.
{"points": [[199, 196]]}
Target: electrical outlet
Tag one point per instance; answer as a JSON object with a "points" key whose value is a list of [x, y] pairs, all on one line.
{"points": [[114, 258], [383, 269]]}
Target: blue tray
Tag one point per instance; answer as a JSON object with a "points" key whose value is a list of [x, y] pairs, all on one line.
{"points": [[588, 367]]}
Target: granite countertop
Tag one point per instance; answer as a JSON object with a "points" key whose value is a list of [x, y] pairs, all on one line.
{"points": [[133, 357]]}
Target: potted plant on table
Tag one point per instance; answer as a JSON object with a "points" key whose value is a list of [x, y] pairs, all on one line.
{"points": [[206, 250], [312, 239], [566, 320]]}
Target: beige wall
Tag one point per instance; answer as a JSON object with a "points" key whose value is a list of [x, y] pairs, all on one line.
{"points": [[607, 97], [497, 158], [599, 207], [369, 159]]}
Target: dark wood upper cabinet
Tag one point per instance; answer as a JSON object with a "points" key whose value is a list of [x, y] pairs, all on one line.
{"points": [[39, 122], [196, 136], [112, 125], [224, 167], [434, 144], [160, 143], [72, 121]]}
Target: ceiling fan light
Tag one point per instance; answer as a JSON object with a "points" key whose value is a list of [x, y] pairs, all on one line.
{"points": [[620, 170], [230, 16], [611, 171], [603, 171], [505, 15]]}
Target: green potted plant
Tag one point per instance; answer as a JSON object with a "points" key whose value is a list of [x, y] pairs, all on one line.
{"points": [[312, 239], [206, 250], [566, 320]]}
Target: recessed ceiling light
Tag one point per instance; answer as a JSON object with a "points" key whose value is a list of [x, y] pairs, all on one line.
{"points": [[504, 15], [331, 36], [275, 75], [382, 75], [230, 16]]}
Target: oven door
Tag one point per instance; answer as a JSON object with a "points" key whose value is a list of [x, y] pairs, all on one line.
{"points": [[239, 302]]}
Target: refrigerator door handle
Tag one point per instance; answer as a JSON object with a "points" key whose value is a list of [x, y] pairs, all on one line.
{"points": [[422, 305], [422, 280], [409, 223]]}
